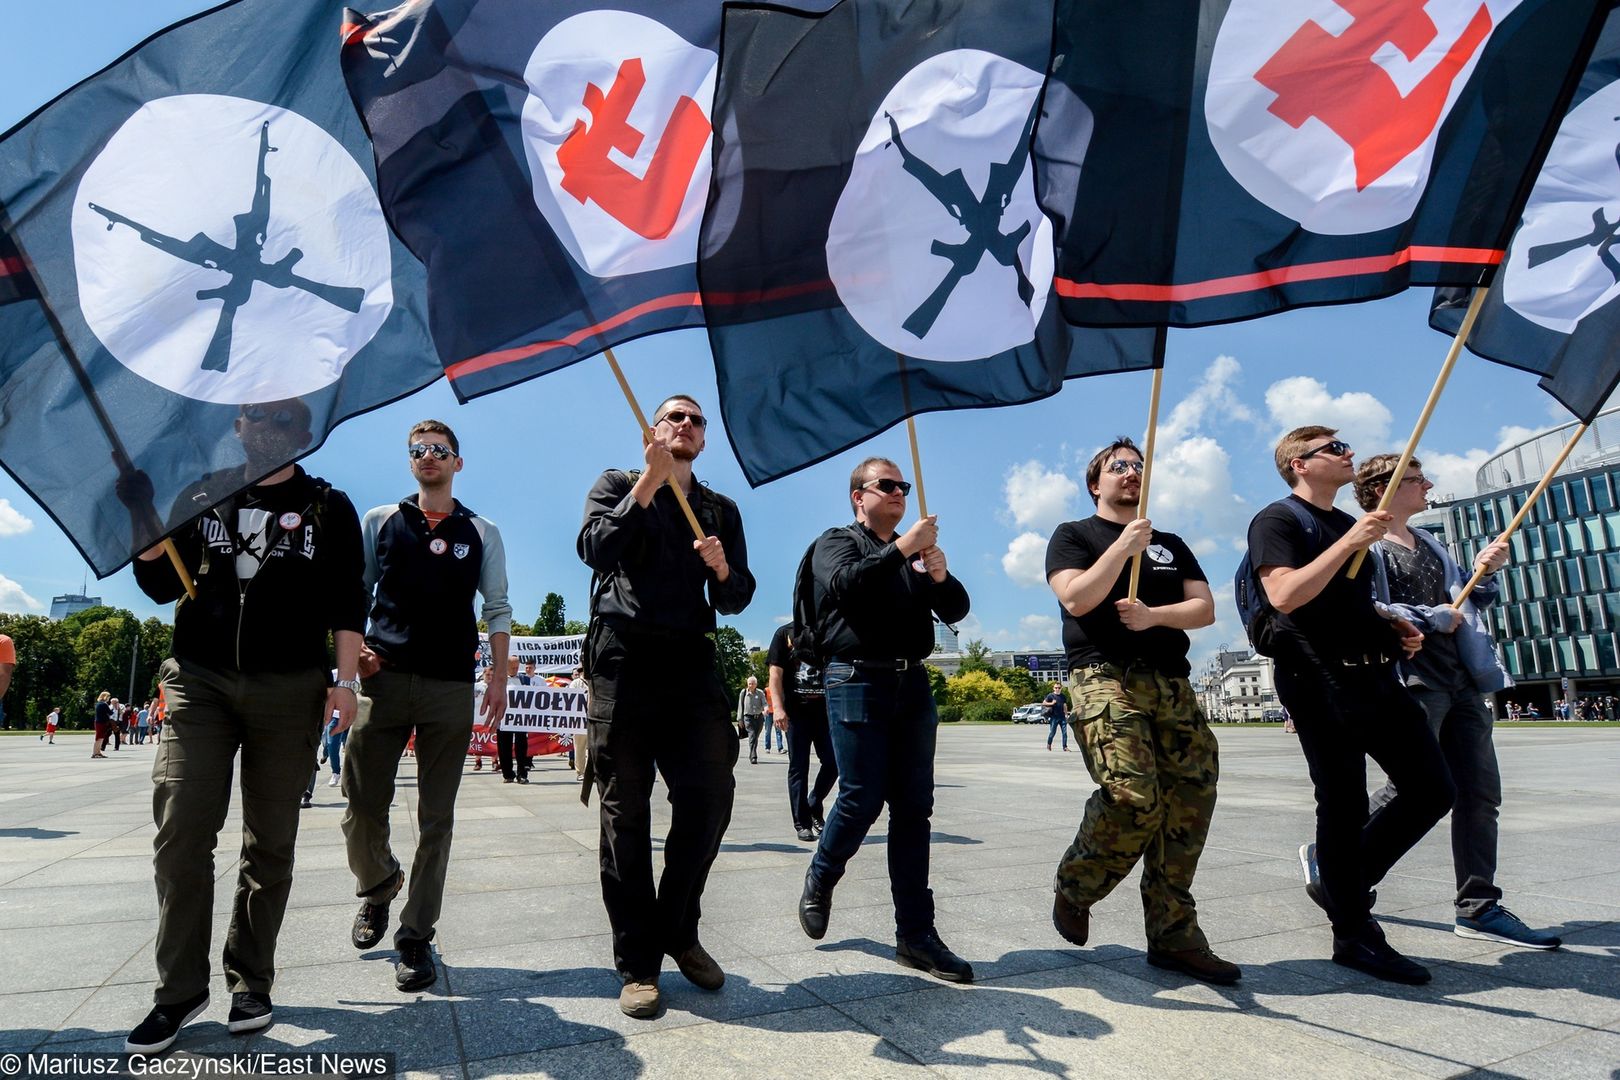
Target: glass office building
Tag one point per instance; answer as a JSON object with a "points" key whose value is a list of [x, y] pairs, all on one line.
{"points": [[1558, 615]]}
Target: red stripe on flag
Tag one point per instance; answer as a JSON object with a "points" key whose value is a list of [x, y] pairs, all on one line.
{"points": [[353, 32], [473, 365], [1282, 275], [9, 266]]}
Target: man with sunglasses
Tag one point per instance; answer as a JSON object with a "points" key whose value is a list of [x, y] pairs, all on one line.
{"points": [[874, 598], [1458, 665], [1335, 650], [1144, 739], [278, 567], [426, 556], [657, 702]]}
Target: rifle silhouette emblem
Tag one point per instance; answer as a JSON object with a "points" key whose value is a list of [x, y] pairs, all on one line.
{"points": [[1603, 236], [244, 263], [981, 217]]}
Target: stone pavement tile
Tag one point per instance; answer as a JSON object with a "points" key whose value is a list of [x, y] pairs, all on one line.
{"points": [[1587, 1056], [775, 931], [805, 1042], [1466, 1018], [31, 1018], [535, 913], [60, 960], [1304, 953], [119, 870], [107, 1016], [1094, 1021], [1588, 962], [565, 867], [58, 908], [1593, 889]]}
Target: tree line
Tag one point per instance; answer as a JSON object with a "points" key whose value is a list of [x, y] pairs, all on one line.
{"points": [[66, 664]]}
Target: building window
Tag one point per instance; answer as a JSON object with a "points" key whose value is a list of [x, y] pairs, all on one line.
{"points": [[1572, 575], [1558, 501], [1607, 663], [1577, 497], [1586, 648], [1602, 498], [1576, 535]]}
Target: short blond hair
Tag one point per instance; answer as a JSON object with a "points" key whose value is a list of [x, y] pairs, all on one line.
{"points": [[1295, 443]]}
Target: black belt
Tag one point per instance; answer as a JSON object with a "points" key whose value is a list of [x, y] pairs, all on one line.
{"points": [[1365, 660], [880, 665]]}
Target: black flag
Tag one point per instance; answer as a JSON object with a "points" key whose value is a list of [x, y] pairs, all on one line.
{"points": [[873, 248]]}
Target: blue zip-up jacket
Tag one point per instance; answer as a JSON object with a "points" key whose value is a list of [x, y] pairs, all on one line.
{"points": [[1475, 645]]}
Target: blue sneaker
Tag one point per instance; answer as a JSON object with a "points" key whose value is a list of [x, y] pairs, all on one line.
{"points": [[1497, 923], [1307, 862]]}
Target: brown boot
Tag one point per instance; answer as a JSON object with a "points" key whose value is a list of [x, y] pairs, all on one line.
{"points": [[700, 969], [1201, 964], [640, 998], [1073, 923]]}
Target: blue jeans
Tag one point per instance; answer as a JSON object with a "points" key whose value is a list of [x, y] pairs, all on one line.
{"points": [[1462, 723], [883, 727], [1056, 722], [334, 749]]}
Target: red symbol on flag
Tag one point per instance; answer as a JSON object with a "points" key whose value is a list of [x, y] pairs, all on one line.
{"points": [[1336, 80], [648, 204]]}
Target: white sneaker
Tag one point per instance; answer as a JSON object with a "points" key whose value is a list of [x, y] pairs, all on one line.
{"points": [[333, 782]]}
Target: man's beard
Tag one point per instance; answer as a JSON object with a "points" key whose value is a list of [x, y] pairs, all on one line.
{"points": [[682, 453]]}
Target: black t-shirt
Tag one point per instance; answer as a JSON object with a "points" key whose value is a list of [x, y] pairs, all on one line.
{"points": [[1340, 621], [1098, 637], [798, 678]]}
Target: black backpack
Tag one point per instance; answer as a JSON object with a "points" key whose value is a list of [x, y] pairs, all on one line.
{"points": [[803, 648], [1253, 608]]}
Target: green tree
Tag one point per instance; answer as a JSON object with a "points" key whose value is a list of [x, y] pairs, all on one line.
{"points": [[552, 621], [157, 645], [45, 669], [975, 656], [759, 667], [968, 687], [936, 684], [1021, 683], [104, 648], [573, 627], [731, 653]]}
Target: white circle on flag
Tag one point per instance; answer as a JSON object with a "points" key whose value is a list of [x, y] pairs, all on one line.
{"points": [[1160, 554], [1571, 225], [294, 265], [961, 116], [616, 130], [1331, 118]]}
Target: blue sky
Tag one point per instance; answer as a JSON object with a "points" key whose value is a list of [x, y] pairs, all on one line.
{"points": [[998, 479]]}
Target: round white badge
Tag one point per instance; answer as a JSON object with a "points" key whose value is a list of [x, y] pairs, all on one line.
{"points": [[289, 521], [230, 251], [1553, 275], [438, 546], [1329, 113], [616, 130], [936, 247]]}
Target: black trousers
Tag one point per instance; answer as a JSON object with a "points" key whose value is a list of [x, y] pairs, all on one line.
{"points": [[807, 727], [1345, 715], [512, 750], [657, 709]]}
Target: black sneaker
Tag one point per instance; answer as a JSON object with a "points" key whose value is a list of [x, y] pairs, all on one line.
{"points": [[930, 954], [415, 970], [157, 1032], [249, 1012], [1371, 954], [806, 835], [372, 918]]}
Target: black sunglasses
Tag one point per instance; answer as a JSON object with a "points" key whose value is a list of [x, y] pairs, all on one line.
{"points": [[1120, 468], [677, 417], [258, 414], [1337, 448], [888, 486], [422, 449]]}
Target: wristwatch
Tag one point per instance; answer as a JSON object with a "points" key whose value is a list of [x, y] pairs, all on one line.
{"points": [[351, 685]]}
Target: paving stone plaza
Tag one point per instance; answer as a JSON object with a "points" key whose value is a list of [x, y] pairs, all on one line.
{"points": [[527, 988]]}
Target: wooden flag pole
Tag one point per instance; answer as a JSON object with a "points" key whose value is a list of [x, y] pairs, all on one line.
{"points": [[1147, 473], [916, 468], [1524, 511], [646, 433], [1457, 344]]}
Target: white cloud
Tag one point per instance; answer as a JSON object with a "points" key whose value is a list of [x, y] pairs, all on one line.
{"points": [[12, 521], [781, 620], [1213, 396], [1039, 631], [1038, 497], [14, 598], [1226, 629], [1362, 419], [1192, 492], [1025, 561], [1454, 474]]}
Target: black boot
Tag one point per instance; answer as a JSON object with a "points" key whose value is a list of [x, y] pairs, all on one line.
{"points": [[815, 907]]}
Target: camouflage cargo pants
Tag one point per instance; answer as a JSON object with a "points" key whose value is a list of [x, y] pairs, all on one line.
{"points": [[1155, 761]]}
